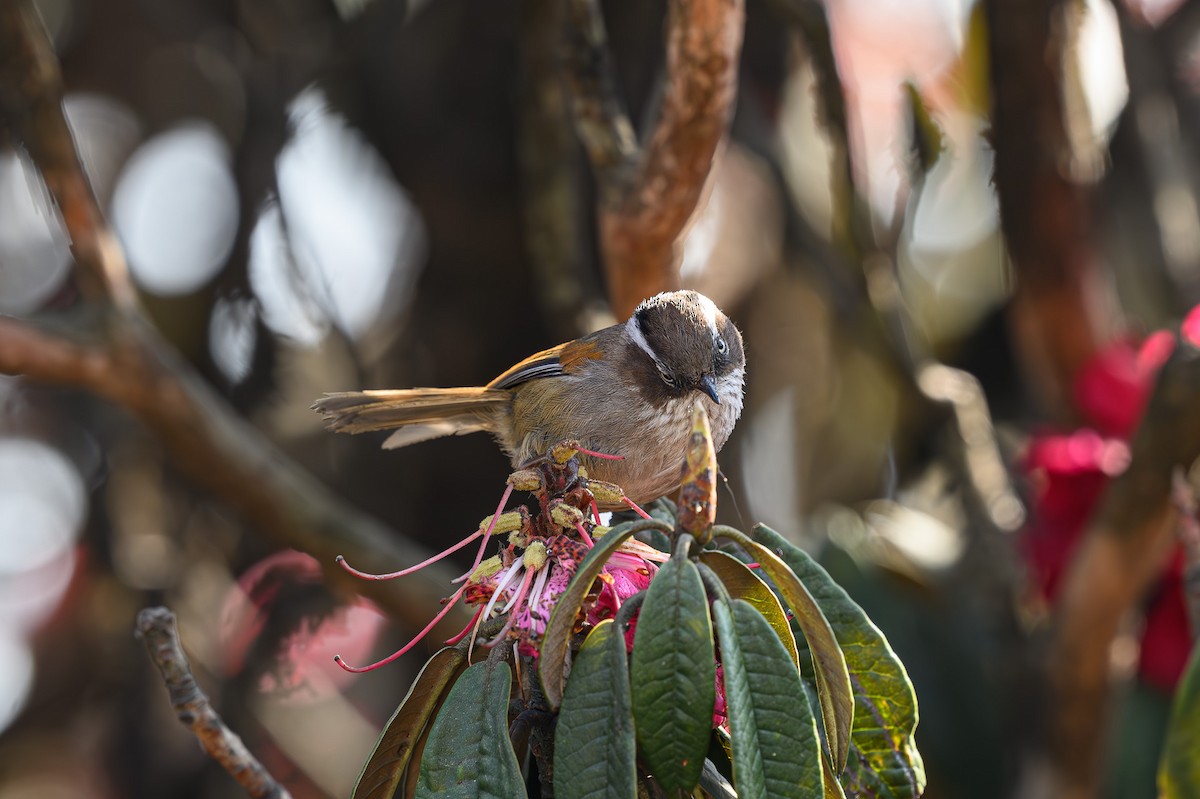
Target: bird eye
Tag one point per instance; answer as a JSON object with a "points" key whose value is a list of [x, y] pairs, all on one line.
{"points": [[722, 347]]}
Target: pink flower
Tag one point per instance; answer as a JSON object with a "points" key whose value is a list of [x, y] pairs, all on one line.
{"points": [[1069, 473], [286, 588]]}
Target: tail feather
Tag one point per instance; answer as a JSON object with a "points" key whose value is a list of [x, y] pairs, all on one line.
{"points": [[423, 413]]}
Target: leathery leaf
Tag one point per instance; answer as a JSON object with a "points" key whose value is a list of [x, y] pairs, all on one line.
{"points": [[776, 749], [741, 583], [594, 748], [673, 675], [833, 680], [1179, 771], [552, 660], [468, 754], [884, 760], [384, 770]]}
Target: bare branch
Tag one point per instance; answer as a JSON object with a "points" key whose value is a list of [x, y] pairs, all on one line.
{"points": [[601, 119], [157, 629], [125, 361], [645, 209], [548, 151], [31, 95], [1059, 312], [1122, 553], [223, 452]]}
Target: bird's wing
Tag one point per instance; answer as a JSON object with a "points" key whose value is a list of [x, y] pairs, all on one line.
{"points": [[564, 359]]}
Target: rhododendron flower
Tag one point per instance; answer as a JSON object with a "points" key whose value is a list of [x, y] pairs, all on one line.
{"points": [[288, 585], [532, 570], [1070, 471]]}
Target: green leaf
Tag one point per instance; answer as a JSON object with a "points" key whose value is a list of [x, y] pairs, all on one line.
{"points": [[382, 773], [741, 583], [469, 755], [885, 761], [552, 660], [829, 665], [594, 745], [776, 750], [674, 676], [1179, 772]]}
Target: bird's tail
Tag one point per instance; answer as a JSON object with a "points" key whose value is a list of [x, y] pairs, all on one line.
{"points": [[419, 413]]}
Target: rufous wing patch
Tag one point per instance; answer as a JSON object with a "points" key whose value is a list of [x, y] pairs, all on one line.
{"points": [[576, 354]]}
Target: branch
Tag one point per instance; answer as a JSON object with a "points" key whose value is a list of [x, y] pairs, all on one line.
{"points": [[1122, 553], [31, 99], [850, 229], [1057, 314], [547, 151], [1189, 539], [648, 197], [157, 630], [111, 351]]}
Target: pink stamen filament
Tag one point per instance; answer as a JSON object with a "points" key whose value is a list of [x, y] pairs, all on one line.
{"points": [[341, 561], [600, 455], [754, 565], [404, 649], [587, 539], [634, 507], [595, 511], [467, 629]]}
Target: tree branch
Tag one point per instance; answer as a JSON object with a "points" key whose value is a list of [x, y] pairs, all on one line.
{"points": [[1122, 553], [648, 197], [111, 351], [550, 194], [31, 98], [1058, 313], [157, 630]]}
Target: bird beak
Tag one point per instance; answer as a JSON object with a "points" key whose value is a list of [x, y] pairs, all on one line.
{"points": [[709, 386]]}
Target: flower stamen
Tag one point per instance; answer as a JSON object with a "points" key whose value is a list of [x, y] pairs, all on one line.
{"points": [[341, 561], [634, 507], [465, 630], [600, 455], [404, 649]]}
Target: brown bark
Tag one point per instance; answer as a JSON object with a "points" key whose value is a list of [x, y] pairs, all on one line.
{"points": [[157, 629], [109, 349], [648, 195], [1122, 553], [1059, 313]]}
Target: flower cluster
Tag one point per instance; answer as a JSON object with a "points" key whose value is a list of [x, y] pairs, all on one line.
{"points": [[540, 553], [1069, 472]]}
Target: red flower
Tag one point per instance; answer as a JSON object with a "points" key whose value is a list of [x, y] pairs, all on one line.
{"points": [[1069, 473]]}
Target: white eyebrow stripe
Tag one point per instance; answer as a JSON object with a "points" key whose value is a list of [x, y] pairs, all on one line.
{"points": [[634, 328], [709, 310]]}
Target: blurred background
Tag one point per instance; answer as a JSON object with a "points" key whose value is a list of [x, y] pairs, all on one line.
{"points": [[323, 195]]}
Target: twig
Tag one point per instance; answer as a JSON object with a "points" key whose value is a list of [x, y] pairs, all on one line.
{"points": [[648, 197], [1122, 553], [111, 351], [157, 629]]}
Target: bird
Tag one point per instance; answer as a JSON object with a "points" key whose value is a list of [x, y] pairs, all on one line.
{"points": [[626, 391]]}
